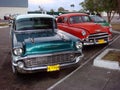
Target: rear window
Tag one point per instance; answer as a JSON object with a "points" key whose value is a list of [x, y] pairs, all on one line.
{"points": [[97, 19], [34, 23]]}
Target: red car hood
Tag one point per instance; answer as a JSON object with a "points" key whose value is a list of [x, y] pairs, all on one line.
{"points": [[90, 27]]}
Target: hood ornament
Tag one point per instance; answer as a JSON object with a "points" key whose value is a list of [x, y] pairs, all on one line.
{"points": [[98, 30], [32, 40], [62, 36]]}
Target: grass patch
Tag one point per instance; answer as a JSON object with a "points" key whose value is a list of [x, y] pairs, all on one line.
{"points": [[3, 24], [116, 26], [112, 55]]}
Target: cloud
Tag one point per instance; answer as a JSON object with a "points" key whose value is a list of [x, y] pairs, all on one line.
{"points": [[36, 2]]}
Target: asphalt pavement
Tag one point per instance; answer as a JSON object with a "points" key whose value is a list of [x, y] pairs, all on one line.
{"points": [[89, 77]]}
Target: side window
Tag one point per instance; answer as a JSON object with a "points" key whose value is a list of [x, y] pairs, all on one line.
{"points": [[65, 19], [86, 19], [60, 20]]}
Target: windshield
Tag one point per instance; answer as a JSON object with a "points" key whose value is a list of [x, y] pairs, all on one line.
{"points": [[79, 19], [34, 23], [97, 19]]}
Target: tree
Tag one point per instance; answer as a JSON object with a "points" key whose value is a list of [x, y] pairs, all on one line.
{"points": [[61, 9], [97, 6], [110, 7], [52, 11], [88, 5], [83, 4], [118, 7], [72, 5]]}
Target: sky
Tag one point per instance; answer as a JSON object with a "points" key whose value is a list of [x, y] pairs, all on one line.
{"points": [[54, 4]]}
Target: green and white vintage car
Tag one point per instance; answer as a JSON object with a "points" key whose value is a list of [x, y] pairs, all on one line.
{"points": [[37, 45]]}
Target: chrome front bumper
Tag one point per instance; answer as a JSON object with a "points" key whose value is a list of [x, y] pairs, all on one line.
{"points": [[95, 43], [100, 38]]}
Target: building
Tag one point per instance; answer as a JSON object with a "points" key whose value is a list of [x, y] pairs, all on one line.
{"points": [[12, 7]]}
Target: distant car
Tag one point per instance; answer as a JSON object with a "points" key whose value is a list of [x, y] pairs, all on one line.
{"points": [[12, 18], [81, 26], [37, 45], [7, 17], [99, 20]]}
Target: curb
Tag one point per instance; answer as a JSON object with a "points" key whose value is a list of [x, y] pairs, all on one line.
{"points": [[114, 31], [99, 62], [4, 26]]}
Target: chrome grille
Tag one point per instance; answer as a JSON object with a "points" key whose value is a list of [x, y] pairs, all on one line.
{"points": [[49, 60], [98, 35]]}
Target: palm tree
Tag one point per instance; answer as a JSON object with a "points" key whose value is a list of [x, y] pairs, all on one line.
{"points": [[72, 5]]}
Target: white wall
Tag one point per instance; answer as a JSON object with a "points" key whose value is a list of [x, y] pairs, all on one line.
{"points": [[12, 10], [105, 14]]}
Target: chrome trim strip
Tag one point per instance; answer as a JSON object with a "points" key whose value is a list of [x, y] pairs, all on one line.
{"points": [[98, 34], [34, 56], [99, 37], [30, 31]]}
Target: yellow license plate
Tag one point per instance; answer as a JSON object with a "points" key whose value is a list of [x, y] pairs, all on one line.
{"points": [[53, 68], [101, 41]]}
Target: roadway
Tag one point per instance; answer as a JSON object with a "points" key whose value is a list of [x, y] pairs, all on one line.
{"points": [[37, 81]]}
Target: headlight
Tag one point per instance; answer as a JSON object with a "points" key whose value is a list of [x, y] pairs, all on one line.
{"points": [[18, 51], [79, 45], [110, 29], [20, 64], [83, 32]]}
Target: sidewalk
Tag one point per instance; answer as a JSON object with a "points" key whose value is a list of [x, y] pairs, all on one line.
{"points": [[90, 77]]}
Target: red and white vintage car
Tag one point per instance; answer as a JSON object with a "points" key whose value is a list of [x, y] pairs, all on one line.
{"points": [[80, 25]]}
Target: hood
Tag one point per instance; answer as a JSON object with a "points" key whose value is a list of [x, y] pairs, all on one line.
{"points": [[90, 27], [37, 43]]}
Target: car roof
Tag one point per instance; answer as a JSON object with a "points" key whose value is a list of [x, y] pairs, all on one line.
{"points": [[94, 15], [33, 16], [73, 14]]}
